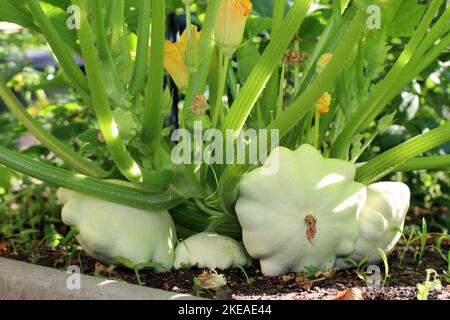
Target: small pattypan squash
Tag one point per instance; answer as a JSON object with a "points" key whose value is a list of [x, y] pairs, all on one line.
{"points": [[210, 250], [306, 214], [382, 216], [107, 230]]}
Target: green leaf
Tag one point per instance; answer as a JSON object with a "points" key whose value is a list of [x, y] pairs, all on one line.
{"points": [[14, 11], [386, 121], [248, 56], [402, 17], [58, 17], [263, 8], [256, 25], [127, 263], [63, 4], [92, 143]]}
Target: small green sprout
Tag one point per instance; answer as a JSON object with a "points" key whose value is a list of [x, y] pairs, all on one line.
{"points": [[127, 263], [250, 280], [425, 288], [386, 266], [359, 267]]}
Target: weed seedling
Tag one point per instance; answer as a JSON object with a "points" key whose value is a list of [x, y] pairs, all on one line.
{"points": [[250, 280], [359, 267], [425, 288], [386, 266], [423, 242], [138, 267], [311, 271], [412, 238], [445, 257]]}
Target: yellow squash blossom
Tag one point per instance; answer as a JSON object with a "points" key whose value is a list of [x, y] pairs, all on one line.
{"points": [[174, 59], [230, 24], [323, 105]]}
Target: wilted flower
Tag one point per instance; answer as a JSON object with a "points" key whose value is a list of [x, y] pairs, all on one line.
{"points": [[212, 280], [230, 24], [295, 57], [199, 105]]}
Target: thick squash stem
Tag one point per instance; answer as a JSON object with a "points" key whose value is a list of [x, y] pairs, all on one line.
{"points": [[108, 126], [266, 65], [120, 194], [73, 159], [390, 160], [426, 163]]}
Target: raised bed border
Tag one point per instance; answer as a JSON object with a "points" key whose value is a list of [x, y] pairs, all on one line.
{"points": [[24, 281]]}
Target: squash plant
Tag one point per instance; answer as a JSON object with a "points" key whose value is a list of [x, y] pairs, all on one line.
{"points": [[328, 105]]}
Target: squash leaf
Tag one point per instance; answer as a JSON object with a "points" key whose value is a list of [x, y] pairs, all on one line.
{"points": [[401, 17], [15, 11]]}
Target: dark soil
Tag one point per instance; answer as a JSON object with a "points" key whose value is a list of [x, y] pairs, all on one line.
{"points": [[336, 285]]}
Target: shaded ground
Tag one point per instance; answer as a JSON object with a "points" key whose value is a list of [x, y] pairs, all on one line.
{"points": [[343, 284]]}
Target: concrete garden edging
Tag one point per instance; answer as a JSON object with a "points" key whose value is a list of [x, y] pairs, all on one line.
{"points": [[21, 280]]}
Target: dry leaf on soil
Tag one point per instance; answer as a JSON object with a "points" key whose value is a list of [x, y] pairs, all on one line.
{"points": [[349, 294]]}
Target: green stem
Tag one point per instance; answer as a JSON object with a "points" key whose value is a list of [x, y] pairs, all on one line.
{"points": [[425, 163], [140, 65], [188, 216], [108, 126], [269, 97], [295, 112], [221, 88], [102, 43], [232, 83], [59, 148], [296, 87], [107, 191], [374, 106], [390, 160], [280, 100], [206, 46], [329, 36], [151, 127], [61, 51], [419, 64], [316, 129], [267, 63], [117, 22], [188, 18], [229, 181]]}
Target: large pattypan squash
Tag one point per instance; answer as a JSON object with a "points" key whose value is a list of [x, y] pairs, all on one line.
{"points": [[210, 250], [306, 214], [107, 230], [382, 215]]}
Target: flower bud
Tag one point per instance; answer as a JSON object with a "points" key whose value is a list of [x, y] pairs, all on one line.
{"points": [[192, 58], [230, 24]]}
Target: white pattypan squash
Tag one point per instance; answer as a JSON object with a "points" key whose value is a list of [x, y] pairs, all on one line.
{"points": [[210, 250], [107, 230], [306, 214], [384, 211]]}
